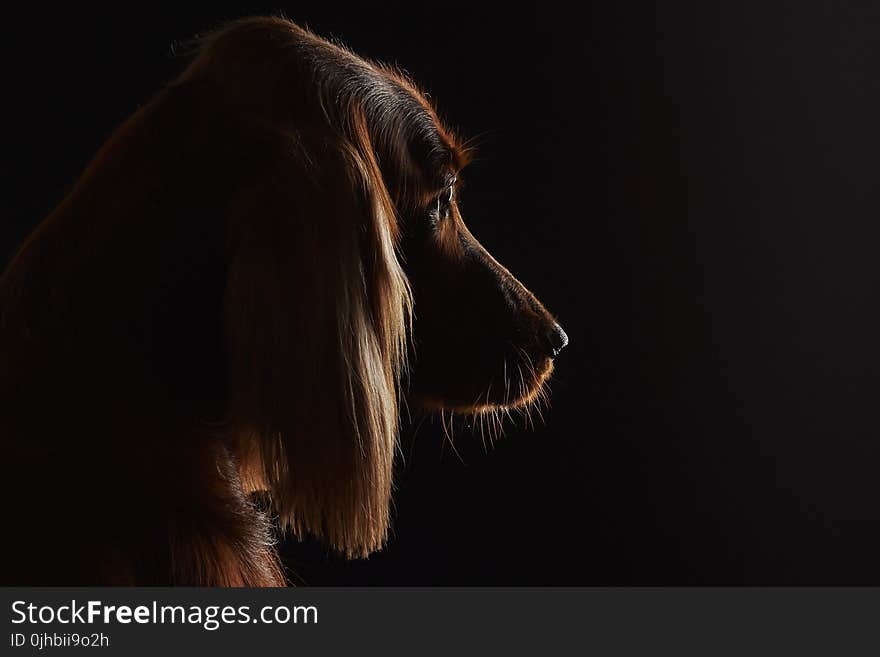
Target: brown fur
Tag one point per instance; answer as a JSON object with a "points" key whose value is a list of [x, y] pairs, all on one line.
{"points": [[218, 308]]}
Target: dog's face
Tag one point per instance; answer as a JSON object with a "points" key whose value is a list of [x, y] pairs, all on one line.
{"points": [[482, 341], [348, 227]]}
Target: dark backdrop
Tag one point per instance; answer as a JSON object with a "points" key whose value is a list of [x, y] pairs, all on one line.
{"points": [[691, 188]]}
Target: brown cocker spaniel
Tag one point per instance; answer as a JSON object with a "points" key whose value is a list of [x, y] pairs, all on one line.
{"points": [[256, 269]]}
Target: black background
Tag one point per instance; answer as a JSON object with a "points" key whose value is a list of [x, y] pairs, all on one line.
{"points": [[690, 187]]}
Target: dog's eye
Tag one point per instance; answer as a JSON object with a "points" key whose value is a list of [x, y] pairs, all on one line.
{"points": [[444, 202]]}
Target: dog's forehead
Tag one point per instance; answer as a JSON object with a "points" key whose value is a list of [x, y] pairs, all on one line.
{"points": [[406, 131], [403, 112]]}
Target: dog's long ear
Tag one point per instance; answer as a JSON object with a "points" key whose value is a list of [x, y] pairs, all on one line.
{"points": [[317, 311]]}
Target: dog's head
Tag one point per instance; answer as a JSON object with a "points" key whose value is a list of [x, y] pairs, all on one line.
{"points": [[483, 342], [349, 277]]}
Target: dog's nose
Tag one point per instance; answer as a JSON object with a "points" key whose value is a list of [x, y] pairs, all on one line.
{"points": [[555, 340]]}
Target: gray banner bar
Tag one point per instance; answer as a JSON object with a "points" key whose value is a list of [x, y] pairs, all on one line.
{"points": [[452, 621]]}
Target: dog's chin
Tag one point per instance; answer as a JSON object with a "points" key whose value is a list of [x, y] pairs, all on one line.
{"points": [[515, 387]]}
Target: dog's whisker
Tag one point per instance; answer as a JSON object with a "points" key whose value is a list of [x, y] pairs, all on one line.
{"points": [[506, 384], [449, 433], [415, 435], [442, 442], [537, 408], [496, 418], [522, 380]]}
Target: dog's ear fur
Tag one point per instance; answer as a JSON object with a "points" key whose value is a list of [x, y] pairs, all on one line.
{"points": [[317, 311], [317, 308]]}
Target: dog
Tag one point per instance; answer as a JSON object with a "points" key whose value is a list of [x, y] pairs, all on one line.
{"points": [[209, 340]]}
